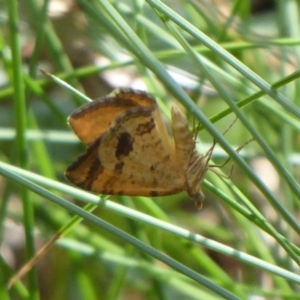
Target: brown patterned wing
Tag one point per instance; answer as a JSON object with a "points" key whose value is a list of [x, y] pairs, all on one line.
{"points": [[133, 157]]}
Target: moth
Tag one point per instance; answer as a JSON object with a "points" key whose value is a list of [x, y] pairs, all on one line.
{"points": [[129, 151]]}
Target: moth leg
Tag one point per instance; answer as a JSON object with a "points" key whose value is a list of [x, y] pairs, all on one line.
{"points": [[227, 160]]}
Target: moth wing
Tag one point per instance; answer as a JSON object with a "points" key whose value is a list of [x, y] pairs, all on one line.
{"points": [[93, 119], [133, 157]]}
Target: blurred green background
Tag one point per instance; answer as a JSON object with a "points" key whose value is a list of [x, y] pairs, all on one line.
{"points": [[215, 59]]}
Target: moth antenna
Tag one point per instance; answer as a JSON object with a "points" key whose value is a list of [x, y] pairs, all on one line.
{"points": [[228, 128]]}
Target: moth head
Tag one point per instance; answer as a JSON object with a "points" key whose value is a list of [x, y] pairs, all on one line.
{"points": [[198, 198]]}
